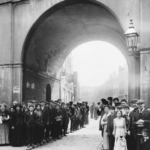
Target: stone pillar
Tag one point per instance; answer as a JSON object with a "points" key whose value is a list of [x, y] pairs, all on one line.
{"points": [[145, 75], [10, 77], [134, 77], [17, 77]]}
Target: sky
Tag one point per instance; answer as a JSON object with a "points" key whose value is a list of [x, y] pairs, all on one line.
{"points": [[95, 61]]}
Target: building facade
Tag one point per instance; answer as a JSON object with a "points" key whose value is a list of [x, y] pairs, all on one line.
{"points": [[116, 85], [69, 85]]}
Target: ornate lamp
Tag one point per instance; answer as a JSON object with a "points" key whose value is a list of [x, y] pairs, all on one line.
{"points": [[132, 39]]}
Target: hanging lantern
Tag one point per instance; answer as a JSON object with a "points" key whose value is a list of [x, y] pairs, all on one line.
{"points": [[132, 38]]}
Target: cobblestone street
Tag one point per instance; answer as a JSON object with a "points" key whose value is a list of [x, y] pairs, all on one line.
{"points": [[88, 138]]}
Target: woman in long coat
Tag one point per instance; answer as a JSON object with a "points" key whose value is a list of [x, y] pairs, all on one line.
{"points": [[17, 121], [4, 125], [104, 122]]}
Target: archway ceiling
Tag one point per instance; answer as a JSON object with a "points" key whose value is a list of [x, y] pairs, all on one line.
{"points": [[67, 28]]}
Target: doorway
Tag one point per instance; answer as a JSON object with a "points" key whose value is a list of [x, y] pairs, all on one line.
{"points": [[48, 92]]}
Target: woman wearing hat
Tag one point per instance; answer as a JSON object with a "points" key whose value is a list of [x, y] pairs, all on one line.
{"points": [[4, 126], [17, 121]]}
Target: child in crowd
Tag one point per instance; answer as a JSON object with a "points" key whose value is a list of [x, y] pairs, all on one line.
{"points": [[145, 140]]}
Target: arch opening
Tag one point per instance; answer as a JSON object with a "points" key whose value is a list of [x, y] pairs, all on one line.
{"points": [[56, 34]]}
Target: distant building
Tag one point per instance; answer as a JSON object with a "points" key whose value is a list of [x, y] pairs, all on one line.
{"points": [[69, 85], [116, 85], [89, 94]]}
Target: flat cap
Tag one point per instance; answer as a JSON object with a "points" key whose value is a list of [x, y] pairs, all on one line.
{"points": [[29, 101], [62, 103], [18, 105], [140, 101], [71, 102], [134, 101], [42, 101], [31, 106], [38, 104], [126, 107], [124, 100], [15, 102], [33, 101]]}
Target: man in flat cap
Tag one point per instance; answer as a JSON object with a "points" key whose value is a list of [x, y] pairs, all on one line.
{"points": [[141, 119], [15, 102], [33, 103], [45, 117], [131, 127], [29, 102], [30, 120]]}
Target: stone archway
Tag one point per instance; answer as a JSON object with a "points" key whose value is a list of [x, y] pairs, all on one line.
{"points": [[61, 29]]}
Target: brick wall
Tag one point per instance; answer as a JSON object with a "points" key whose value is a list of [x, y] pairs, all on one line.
{"points": [[34, 87]]}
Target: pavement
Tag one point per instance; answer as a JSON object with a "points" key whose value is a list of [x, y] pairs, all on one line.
{"points": [[88, 138]]}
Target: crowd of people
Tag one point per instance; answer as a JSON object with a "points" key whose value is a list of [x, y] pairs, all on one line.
{"points": [[124, 127], [36, 123]]}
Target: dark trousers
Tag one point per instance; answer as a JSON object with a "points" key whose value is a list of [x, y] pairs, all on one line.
{"points": [[72, 124], [64, 126], [128, 139], [75, 124], [31, 134], [39, 133], [11, 135], [47, 132], [18, 135], [111, 141], [67, 123], [133, 145], [83, 121], [57, 129], [24, 133], [53, 129]]}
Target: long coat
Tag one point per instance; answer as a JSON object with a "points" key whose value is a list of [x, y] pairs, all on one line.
{"points": [[145, 115], [110, 125], [45, 114]]}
